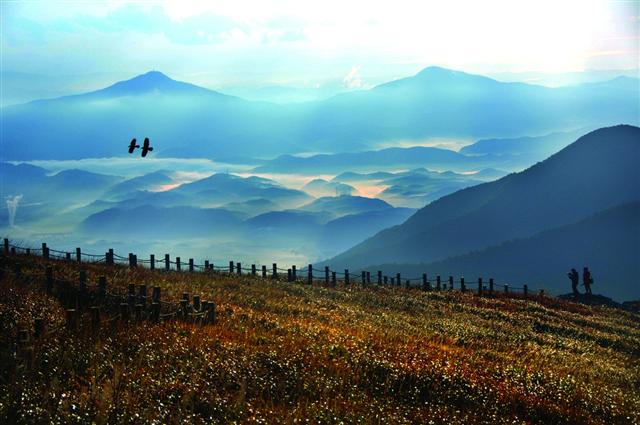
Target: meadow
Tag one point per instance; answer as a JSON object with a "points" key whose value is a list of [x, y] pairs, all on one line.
{"points": [[281, 352]]}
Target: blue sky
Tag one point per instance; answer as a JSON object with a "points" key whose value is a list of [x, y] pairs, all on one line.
{"points": [[328, 44]]}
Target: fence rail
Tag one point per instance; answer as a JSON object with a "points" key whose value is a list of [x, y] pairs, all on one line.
{"points": [[309, 274]]}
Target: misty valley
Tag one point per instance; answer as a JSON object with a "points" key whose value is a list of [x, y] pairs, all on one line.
{"points": [[381, 179], [206, 210]]}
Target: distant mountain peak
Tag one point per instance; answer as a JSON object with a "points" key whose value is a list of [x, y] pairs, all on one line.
{"points": [[152, 82], [437, 76]]}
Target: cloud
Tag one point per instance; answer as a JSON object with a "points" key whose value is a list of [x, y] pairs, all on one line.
{"points": [[353, 80]]}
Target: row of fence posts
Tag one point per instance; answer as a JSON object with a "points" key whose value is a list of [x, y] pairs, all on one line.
{"points": [[330, 277], [135, 307]]}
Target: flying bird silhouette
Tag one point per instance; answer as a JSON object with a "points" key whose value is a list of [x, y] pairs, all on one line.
{"points": [[133, 146], [145, 147]]}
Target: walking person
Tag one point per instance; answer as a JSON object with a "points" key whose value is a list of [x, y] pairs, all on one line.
{"points": [[587, 280], [575, 279]]}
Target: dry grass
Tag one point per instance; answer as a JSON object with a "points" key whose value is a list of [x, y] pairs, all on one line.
{"points": [[285, 353]]}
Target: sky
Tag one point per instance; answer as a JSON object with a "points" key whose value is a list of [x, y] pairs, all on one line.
{"points": [[51, 47]]}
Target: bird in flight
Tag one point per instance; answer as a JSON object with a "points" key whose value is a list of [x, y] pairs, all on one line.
{"points": [[133, 146], [145, 147]]}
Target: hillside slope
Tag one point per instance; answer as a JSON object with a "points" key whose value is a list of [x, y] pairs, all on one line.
{"points": [[596, 172], [607, 242], [287, 353]]}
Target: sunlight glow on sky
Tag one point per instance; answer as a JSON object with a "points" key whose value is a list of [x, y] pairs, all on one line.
{"points": [[291, 42]]}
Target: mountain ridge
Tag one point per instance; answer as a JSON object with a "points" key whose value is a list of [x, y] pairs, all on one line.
{"points": [[587, 176]]}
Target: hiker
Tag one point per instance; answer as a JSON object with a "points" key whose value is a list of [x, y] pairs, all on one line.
{"points": [[575, 279], [587, 280]]}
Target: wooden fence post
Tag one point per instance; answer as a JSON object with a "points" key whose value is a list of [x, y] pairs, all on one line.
{"points": [[294, 273], [45, 250], [191, 265], [264, 272], [379, 277], [289, 275], [438, 282], [95, 318], [326, 275], [83, 283], [526, 290], [231, 267], [124, 312], [78, 255], [152, 262], [491, 286], [310, 275], [363, 278], [131, 293], [155, 294], [111, 257], [167, 262], [398, 279], [155, 312], [102, 286], [253, 270], [38, 327], [479, 286], [206, 265], [506, 289], [346, 277], [425, 282], [274, 274], [386, 279], [450, 283], [67, 256], [6, 246], [463, 287], [49, 279], [72, 322], [178, 265], [142, 294], [334, 280], [238, 268], [184, 306], [368, 278]]}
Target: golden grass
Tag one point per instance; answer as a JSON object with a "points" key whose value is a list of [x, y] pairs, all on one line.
{"points": [[288, 353]]}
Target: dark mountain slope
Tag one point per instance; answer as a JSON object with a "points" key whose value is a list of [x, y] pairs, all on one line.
{"points": [[607, 242], [596, 172]]}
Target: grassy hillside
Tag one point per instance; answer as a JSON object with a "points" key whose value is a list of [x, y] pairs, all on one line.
{"points": [[282, 352]]}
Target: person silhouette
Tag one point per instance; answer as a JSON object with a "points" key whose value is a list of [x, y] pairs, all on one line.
{"points": [[575, 279], [587, 280]]}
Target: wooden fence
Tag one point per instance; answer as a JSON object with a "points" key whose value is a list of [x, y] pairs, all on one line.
{"points": [[326, 276], [102, 305]]}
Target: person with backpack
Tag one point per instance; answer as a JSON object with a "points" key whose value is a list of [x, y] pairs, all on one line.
{"points": [[575, 279], [587, 280]]}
